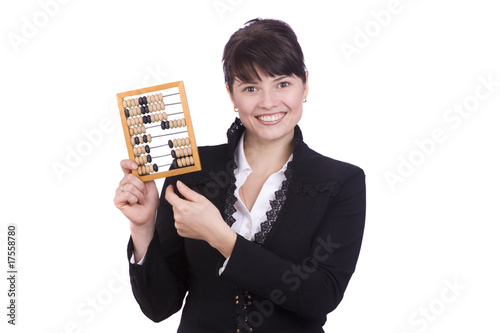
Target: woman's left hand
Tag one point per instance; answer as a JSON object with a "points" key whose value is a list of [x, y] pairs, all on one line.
{"points": [[196, 217]]}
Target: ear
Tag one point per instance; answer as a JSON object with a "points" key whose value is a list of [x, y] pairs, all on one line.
{"points": [[230, 95], [306, 86]]}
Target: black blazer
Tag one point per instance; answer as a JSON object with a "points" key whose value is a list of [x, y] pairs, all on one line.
{"points": [[289, 279]]}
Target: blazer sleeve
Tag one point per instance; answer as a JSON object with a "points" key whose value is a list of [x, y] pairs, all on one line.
{"points": [[160, 284], [314, 286]]}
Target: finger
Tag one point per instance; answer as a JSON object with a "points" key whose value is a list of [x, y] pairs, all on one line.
{"points": [[188, 193], [124, 199], [134, 180], [127, 166], [171, 197], [129, 189]]}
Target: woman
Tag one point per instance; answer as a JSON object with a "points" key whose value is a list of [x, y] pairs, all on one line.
{"points": [[266, 237]]}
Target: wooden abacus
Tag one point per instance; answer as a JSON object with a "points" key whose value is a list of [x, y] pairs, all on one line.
{"points": [[151, 117]]}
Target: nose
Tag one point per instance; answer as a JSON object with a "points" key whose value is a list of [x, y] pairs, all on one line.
{"points": [[269, 99]]}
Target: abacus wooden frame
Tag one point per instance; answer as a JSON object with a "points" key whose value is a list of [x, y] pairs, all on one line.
{"points": [[180, 85]]}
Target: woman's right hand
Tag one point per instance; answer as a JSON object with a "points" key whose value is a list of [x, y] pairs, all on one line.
{"points": [[138, 201]]}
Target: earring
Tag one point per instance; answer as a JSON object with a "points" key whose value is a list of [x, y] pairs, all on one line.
{"points": [[235, 109], [304, 100]]}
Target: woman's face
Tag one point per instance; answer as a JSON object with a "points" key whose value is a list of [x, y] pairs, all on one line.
{"points": [[269, 109]]}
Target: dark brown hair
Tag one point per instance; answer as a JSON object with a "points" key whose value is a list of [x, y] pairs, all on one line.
{"points": [[270, 45]]}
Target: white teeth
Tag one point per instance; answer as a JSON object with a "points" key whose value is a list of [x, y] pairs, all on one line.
{"points": [[273, 117]]}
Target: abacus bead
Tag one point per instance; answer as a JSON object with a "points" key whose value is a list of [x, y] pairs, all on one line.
{"points": [[164, 115], [170, 144], [136, 101], [153, 107], [183, 122], [148, 98], [155, 167], [128, 122], [146, 107], [137, 140], [146, 149], [149, 119], [149, 138], [183, 142], [175, 143], [149, 158], [171, 124], [162, 105], [163, 126], [143, 109], [191, 160], [127, 113], [174, 164], [190, 151], [157, 98], [145, 119], [187, 141], [124, 103], [131, 130]]}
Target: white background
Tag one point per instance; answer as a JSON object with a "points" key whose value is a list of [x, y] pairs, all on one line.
{"points": [[63, 63]]}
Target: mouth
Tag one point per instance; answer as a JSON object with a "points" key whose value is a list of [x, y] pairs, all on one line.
{"points": [[271, 119]]}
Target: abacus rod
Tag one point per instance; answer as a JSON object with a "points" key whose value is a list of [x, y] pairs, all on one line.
{"points": [[158, 136]]}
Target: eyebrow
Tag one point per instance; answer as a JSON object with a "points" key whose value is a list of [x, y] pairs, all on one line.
{"points": [[279, 78]]}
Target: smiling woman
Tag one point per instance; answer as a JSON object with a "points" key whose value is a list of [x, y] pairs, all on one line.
{"points": [[266, 237]]}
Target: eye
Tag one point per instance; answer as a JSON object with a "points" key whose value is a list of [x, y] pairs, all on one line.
{"points": [[283, 84], [250, 89]]}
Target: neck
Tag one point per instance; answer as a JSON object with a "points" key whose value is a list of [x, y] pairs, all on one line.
{"points": [[268, 156]]}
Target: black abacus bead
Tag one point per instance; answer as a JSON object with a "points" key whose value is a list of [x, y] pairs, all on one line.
{"points": [[147, 149], [170, 144], [149, 158], [136, 139], [127, 113], [143, 110], [155, 167], [173, 153], [147, 108], [145, 119], [145, 138], [163, 125], [174, 164], [149, 119], [141, 100]]}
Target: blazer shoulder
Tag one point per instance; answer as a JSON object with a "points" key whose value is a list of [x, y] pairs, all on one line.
{"points": [[315, 167]]}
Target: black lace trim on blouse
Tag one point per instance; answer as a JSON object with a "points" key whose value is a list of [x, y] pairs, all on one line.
{"points": [[276, 207]]}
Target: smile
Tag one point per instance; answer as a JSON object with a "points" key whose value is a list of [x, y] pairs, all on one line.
{"points": [[271, 118]]}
